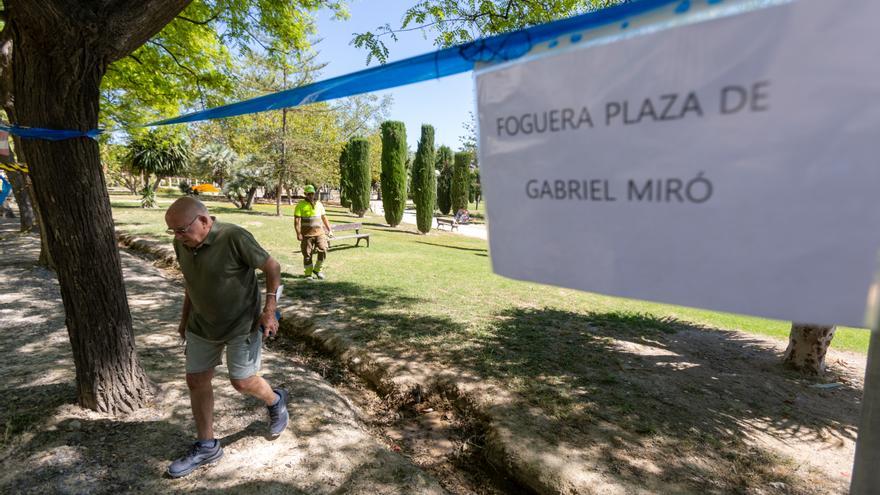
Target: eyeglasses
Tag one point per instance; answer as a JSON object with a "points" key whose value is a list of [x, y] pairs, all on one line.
{"points": [[181, 230]]}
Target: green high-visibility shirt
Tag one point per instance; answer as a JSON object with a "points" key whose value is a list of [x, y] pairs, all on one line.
{"points": [[310, 217], [221, 281]]}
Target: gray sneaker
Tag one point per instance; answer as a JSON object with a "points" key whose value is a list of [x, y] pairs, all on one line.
{"points": [[195, 457], [278, 416], [318, 275]]}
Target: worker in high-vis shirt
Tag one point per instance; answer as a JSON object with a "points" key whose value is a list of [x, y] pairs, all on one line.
{"points": [[312, 229]]}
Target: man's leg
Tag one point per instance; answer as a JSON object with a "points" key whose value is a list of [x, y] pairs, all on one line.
{"points": [[201, 398], [256, 386], [305, 246], [321, 247], [243, 356], [201, 357]]}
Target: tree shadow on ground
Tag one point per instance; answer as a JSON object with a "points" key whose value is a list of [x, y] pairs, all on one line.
{"points": [[353, 298], [651, 402], [479, 250], [384, 227], [21, 408], [606, 354], [659, 398]]}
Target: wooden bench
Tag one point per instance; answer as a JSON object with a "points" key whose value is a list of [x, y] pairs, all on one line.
{"points": [[356, 227], [449, 222]]}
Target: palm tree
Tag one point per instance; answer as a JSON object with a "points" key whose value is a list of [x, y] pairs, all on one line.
{"points": [[160, 154], [215, 162]]}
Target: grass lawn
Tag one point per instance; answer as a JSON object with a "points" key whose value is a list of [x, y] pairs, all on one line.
{"points": [[443, 275]]}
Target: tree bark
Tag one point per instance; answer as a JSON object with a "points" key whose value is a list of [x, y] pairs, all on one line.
{"points": [[249, 200], [62, 49], [26, 214], [283, 164], [807, 346], [20, 186]]}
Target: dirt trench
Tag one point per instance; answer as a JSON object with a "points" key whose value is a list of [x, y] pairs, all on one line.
{"points": [[430, 428]]}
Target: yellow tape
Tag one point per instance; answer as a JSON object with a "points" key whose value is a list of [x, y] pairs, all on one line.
{"points": [[14, 167]]}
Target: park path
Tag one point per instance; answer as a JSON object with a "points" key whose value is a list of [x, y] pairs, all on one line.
{"points": [[53, 446]]}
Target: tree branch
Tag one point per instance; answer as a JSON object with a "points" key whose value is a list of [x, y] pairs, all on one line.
{"points": [[197, 78], [174, 57], [131, 25], [201, 23]]}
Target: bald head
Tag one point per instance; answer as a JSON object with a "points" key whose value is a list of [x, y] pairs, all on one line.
{"points": [[188, 219], [187, 206]]}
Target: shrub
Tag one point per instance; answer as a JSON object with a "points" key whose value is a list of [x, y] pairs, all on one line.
{"points": [[343, 177], [424, 181], [393, 177], [461, 178], [358, 171], [185, 188], [444, 183]]}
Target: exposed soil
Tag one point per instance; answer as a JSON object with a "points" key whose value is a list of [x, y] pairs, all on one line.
{"points": [[429, 431]]}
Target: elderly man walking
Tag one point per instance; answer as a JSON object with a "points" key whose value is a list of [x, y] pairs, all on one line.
{"points": [[221, 309], [312, 229]]}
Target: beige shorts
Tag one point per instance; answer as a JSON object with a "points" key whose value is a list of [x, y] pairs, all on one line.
{"points": [[243, 354]]}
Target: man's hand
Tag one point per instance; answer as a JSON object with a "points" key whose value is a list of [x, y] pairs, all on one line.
{"points": [[269, 323], [299, 236], [181, 329]]}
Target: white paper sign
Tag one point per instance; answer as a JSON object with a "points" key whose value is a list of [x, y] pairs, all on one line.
{"points": [[731, 165]]}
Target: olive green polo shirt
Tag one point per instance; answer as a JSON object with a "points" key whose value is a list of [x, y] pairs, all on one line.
{"points": [[221, 281]]}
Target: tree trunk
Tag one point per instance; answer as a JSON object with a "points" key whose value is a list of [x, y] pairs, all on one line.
{"points": [[807, 345], [278, 191], [26, 214], [131, 182], [59, 60], [20, 189], [249, 200], [283, 163], [45, 259]]}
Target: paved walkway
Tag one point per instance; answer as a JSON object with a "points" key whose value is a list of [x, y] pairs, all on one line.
{"points": [[477, 230], [54, 446]]}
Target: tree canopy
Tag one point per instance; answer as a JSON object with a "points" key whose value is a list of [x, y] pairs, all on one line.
{"points": [[189, 64], [455, 21]]}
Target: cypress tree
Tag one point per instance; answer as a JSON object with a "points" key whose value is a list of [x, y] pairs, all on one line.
{"points": [[461, 178], [343, 177], [444, 183], [424, 182], [358, 173], [393, 176]]}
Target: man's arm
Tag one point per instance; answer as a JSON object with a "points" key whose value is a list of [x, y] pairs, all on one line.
{"points": [[272, 270], [326, 225], [187, 306], [297, 224]]}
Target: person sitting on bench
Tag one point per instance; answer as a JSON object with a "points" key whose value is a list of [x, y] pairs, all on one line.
{"points": [[462, 216]]}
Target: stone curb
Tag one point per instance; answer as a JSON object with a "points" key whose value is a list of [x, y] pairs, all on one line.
{"points": [[504, 449], [159, 251]]}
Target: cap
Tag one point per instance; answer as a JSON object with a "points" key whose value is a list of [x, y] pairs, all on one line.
{"points": [[309, 189]]}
